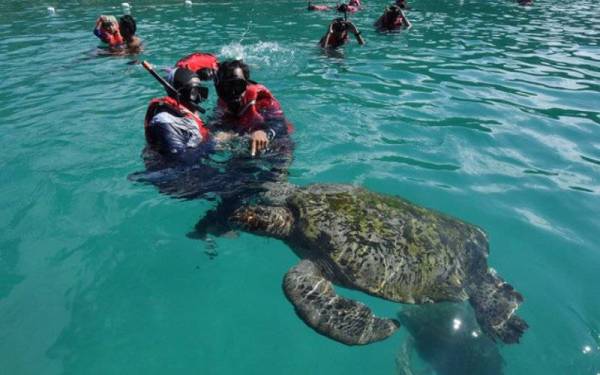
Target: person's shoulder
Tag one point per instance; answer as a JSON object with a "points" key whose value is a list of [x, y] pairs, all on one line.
{"points": [[135, 42]]}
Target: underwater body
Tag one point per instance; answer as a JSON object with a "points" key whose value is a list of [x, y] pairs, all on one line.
{"points": [[483, 110]]}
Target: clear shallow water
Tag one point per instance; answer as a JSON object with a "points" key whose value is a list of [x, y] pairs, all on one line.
{"points": [[483, 110]]}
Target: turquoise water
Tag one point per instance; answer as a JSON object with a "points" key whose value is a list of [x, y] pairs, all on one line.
{"points": [[483, 110]]}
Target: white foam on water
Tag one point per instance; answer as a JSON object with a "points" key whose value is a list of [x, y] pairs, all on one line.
{"points": [[188, 3], [261, 55], [51, 11]]}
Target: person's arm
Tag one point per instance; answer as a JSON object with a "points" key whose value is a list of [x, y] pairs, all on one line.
{"points": [[98, 28], [405, 20], [273, 124], [325, 38], [356, 33]]}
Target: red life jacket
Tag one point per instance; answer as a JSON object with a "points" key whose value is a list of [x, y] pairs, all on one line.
{"points": [[335, 40], [384, 23], [115, 39], [257, 103], [197, 61], [176, 108]]}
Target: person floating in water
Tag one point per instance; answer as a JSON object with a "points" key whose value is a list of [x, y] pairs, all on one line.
{"points": [[128, 27], [393, 18], [318, 7], [353, 6], [107, 30], [246, 107], [337, 34], [172, 123]]}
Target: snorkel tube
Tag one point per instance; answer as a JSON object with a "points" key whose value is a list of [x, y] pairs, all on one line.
{"points": [[171, 91]]}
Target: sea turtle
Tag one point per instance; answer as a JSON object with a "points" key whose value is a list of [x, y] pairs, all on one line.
{"points": [[382, 245]]}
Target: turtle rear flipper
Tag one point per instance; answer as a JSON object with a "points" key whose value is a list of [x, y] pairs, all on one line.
{"points": [[495, 303], [339, 318]]}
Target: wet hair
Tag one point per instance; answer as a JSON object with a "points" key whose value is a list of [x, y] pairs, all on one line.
{"points": [[127, 26], [227, 68]]}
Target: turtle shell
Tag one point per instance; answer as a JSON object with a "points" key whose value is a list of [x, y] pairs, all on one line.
{"points": [[385, 245]]}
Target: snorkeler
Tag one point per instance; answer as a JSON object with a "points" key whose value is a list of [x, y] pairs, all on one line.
{"points": [[318, 7], [107, 30], [353, 6], [128, 27], [337, 34], [246, 107], [172, 123], [393, 18]]}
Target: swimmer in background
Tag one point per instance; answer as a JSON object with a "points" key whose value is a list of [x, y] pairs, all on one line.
{"points": [[393, 18], [525, 2], [128, 27], [318, 7], [337, 34], [107, 30], [205, 65], [353, 6], [346, 8]]}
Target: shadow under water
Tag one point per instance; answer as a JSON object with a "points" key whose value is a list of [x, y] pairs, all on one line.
{"points": [[447, 337]]}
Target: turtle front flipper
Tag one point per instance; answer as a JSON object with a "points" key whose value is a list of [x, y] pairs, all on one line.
{"points": [[339, 318], [495, 303]]}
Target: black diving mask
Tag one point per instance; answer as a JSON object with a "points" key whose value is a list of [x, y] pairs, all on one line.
{"points": [[194, 92], [232, 88]]}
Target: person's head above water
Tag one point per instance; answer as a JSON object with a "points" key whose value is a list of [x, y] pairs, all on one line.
{"points": [[342, 8], [393, 11], [190, 92], [127, 26], [109, 24], [231, 81]]}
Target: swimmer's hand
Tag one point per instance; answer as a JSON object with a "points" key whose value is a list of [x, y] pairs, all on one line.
{"points": [[258, 141]]}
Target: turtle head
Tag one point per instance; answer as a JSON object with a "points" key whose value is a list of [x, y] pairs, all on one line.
{"points": [[268, 220]]}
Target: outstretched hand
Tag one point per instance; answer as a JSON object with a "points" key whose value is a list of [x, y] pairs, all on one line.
{"points": [[258, 141]]}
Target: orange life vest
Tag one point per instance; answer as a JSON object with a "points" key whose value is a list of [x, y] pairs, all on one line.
{"points": [[257, 103], [176, 108]]}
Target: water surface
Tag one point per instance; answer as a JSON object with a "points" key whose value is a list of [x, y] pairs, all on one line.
{"points": [[484, 110]]}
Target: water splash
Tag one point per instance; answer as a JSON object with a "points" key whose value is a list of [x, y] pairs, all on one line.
{"points": [[262, 55]]}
